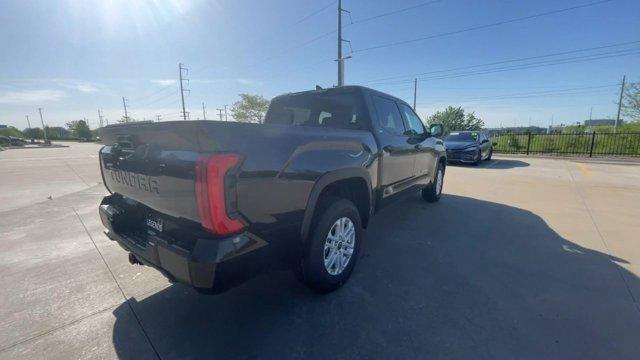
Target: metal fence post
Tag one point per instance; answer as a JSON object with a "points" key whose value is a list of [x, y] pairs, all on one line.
{"points": [[528, 143], [593, 140]]}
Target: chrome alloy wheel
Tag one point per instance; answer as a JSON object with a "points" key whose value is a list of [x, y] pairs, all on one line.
{"points": [[339, 245], [439, 177]]}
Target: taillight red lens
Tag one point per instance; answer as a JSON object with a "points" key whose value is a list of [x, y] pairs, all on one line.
{"points": [[210, 193]]}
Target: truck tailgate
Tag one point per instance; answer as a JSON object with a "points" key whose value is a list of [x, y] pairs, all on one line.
{"points": [[154, 164]]}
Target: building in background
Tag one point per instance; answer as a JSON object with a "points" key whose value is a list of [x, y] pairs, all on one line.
{"points": [[602, 122]]}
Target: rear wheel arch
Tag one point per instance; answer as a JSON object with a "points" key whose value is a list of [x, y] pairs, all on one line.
{"points": [[350, 184]]}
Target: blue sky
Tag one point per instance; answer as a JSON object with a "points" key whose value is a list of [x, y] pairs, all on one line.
{"points": [[74, 57]]}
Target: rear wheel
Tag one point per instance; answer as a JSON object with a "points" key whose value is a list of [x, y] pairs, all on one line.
{"points": [[334, 246], [432, 192]]}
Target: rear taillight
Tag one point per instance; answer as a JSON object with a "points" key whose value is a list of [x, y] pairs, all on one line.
{"points": [[210, 193]]}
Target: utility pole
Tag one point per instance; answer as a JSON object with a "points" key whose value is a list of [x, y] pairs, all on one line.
{"points": [[28, 123], [182, 89], [225, 113], [340, 59], [220, 113], [100, 117], [415, 92], [158, 117], [126, 114], [615, 125], [42, 121], [204, 112], [590, 112]]}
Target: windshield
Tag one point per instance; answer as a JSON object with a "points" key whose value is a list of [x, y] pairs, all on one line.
{"points": [[455, 136]]}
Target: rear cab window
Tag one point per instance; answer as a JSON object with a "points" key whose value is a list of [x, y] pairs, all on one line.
{"points": [[333, 109]]}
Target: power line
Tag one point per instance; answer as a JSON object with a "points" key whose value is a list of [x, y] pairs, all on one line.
{"points": [[154, 93], [288, 50], [170, 95], [565, 91], [395, 12], [583, 58], [150, 99], [479, 27], [314, 13], [506, 61], [291, 48]]}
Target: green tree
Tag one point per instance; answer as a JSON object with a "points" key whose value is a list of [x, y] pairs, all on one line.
{"points": [[11, 131], [57, 132], [33, 133], [79, 129], [250, 108], [631, 101], [454, 119]]}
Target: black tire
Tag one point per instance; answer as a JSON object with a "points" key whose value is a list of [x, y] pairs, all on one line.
{"points": [[314, 273], [431, 193], [490, 153], [479, 159]]}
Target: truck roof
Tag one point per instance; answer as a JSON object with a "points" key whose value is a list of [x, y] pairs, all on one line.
{"points": [[346, 88]]}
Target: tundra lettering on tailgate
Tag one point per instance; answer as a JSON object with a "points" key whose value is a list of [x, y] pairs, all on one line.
{"points": [[142, 182]]}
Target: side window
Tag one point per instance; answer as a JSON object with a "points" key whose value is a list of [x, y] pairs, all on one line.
{"points": [[414, 122], [388, 115]]}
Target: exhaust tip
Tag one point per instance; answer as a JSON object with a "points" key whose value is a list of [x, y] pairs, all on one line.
{"points": [[133, 260]]}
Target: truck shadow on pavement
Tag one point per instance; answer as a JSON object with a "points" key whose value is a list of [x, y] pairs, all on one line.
{"points": [[496, 164], [462, 278]]}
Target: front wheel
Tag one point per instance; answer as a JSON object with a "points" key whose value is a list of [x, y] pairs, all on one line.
{"points": [[334, 246], [478, 158], [490, 153], [432, 192]]}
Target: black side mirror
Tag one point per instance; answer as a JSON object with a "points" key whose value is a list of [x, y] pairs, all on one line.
{"points": [[436, 130], [484, 141]]}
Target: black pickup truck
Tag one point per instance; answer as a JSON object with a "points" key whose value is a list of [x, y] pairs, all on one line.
{"points": [[211, 203]]}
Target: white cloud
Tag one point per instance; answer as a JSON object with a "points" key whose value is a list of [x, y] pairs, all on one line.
{"points": [[86, 88], [31, 96], [249, 82], [78, 85], [164, 82]]}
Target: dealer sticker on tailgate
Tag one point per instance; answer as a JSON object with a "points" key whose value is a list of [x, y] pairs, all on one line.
{"points": [[154, 222]]}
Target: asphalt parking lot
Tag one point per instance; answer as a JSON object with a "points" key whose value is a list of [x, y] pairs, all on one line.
{"points": [[521, 258]]}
